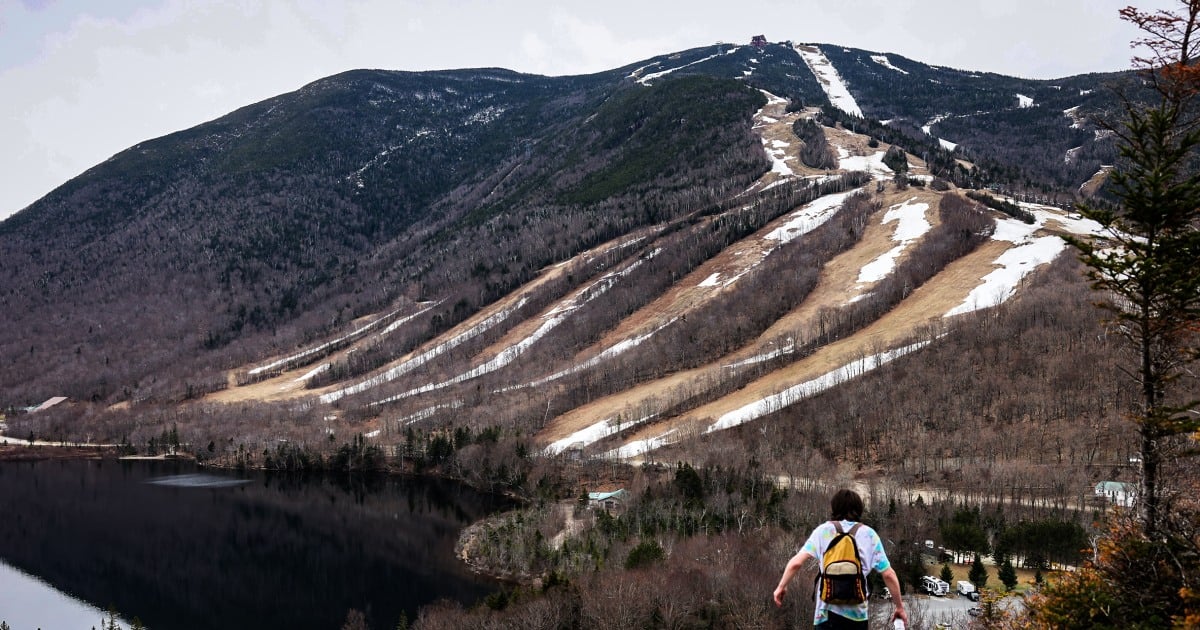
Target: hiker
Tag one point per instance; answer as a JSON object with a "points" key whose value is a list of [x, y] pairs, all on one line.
{"points": [[850, 611]]}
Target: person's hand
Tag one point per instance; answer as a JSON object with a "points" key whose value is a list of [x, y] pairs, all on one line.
{"points": [[780, 591], [898, 612]]}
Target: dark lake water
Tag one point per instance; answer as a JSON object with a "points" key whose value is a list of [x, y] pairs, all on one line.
{"points": [[182, 548]]}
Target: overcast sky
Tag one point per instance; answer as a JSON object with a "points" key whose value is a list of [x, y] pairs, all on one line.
{"points": [[81, 80]]}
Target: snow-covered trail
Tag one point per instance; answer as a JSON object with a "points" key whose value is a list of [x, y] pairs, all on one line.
{"points": [[769, 404], [704, 283], [722, 271], [890, 332], [358, 332], [668, 309], [911, 224], [835, 88], [545, 323], [1015, 251], [481, 322], [842, 279], [646, 79], [474, 329], [629, 408]]}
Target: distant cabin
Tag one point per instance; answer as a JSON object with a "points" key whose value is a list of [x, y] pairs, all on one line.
{"points": [[1117, 492], [759, 41], [608, 500]]}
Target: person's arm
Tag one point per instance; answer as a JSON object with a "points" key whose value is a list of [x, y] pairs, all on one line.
{"points": [[789, 572], [893, 584]]}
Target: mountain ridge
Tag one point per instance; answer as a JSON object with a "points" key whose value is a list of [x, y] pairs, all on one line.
{"points": [[388, 195]]}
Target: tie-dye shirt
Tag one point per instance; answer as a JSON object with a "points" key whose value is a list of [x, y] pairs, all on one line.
{"points": [[871, 554]]}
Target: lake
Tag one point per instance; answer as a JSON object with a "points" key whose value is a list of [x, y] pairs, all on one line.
{"points": [[179, 547]]}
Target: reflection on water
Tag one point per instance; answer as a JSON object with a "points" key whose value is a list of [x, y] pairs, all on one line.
{"points": [[180, 549], [27, 602], [197, 480]]}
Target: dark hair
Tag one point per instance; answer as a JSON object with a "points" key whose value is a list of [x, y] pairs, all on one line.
{"points": [[846, 505]]}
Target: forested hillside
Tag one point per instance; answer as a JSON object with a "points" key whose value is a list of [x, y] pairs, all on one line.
{"points": [[727, 279], [613, 263], [286, 221]]}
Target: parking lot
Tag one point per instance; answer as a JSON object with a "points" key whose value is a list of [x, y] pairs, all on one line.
{"points": [[950, 610]]}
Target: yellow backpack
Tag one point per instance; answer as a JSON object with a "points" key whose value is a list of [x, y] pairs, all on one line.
{"points": [[840, 580]]}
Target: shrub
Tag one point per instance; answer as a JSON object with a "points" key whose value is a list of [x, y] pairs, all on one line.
{"points": [[644, 554]]}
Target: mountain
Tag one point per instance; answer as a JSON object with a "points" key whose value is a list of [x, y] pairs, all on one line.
{"points": [[609, 262]]}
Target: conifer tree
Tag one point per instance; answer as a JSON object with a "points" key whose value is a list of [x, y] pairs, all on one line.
{"points": [[978, 574], [1007, 574], [1146, 267]]}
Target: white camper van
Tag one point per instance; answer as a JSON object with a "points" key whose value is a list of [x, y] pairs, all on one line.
{"points": [[967, 589], [934, 586]]}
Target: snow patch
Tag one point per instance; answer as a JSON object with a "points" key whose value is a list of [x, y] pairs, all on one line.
{"points": [[427, 412], [779, 159], [808, 218], [641, 447], [773, 99], [645, 80], [795, 225], [911, 225], [883, 61], [766, 356], [775, 149], [798, 392], [327, 345], [1075, 116], [1015, 264], [486, 115], [1079, 225], [928, 129], [550, 321], [423, 358], [1028, 254], [594, 433], [613, 351], [313, 372], [839, 95], [1014, 231], [637, 72], [872, 164]]}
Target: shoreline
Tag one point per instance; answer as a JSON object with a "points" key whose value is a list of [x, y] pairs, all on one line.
{"points": [[14, 450], [24, 452]]}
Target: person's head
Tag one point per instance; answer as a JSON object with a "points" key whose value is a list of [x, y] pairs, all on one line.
{"points": [[846, 505]]}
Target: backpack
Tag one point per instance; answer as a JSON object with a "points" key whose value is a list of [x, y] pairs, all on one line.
{"points": [[840, 580]]}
